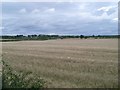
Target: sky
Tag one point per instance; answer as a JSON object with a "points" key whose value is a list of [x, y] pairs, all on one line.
{"points": [[61, 18]]}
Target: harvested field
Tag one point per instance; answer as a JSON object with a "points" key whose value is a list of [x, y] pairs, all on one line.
{"points": [[67, 63]]}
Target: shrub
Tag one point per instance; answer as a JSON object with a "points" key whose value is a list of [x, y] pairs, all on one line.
{"points": [[13, 79]]}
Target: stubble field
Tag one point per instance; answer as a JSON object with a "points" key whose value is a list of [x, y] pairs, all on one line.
{"points": [[67, 63]]}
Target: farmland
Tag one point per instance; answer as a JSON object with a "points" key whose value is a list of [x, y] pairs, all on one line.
{"points": [[66, 63]]}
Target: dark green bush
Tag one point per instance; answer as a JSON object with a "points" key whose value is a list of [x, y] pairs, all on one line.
{"points": [[13, 79]]}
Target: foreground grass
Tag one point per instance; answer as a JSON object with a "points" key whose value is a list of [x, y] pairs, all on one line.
{"points": [[13, 79]]}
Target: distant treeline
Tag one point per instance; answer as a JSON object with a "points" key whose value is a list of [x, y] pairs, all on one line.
{"points": [[47, 37]]}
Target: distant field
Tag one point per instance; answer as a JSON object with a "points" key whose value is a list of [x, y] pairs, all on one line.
{"points": [[8, 40], [67, 63]]}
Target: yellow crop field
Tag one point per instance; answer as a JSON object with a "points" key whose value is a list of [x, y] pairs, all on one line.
{"points": [[66, 63]]}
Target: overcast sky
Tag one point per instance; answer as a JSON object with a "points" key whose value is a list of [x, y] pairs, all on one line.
{"points": [[63, 18]]}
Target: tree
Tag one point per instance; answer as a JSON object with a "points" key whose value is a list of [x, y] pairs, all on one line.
{"points": [[81, 36]]}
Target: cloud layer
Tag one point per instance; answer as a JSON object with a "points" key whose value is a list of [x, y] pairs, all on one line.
{"points": [[60, 18]]}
